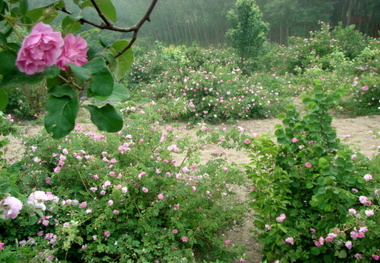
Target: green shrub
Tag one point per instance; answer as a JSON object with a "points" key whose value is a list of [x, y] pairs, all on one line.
{"points": [[137, 196], [315, 200]]}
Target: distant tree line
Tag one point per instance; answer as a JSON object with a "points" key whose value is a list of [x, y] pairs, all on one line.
{"points": [[205, 21]]}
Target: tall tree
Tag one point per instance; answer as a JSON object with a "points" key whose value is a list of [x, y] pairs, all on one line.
{"points": [[248, 32]]}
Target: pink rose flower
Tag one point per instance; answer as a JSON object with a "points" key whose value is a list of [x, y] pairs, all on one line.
{"points": [[1, 246], [185, 239], [365, 88], [289, 240], [281, 218], [74, 52], [11, 207], [160, 196], [367, 177], [40, 49], [308, 165], [348, 244]]}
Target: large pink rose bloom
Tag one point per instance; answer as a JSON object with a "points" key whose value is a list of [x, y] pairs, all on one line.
{"points": [[74, 52], [11, 207], [40, 49]]}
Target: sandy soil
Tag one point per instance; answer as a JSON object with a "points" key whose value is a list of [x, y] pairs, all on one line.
{"points": [[358, 132]]}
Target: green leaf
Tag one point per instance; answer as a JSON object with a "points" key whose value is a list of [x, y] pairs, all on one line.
{"points": [[80, 72], [8, 62], [18, 78], [105, 118], [3, 39], [23, 6], [45, 14], [106, 6], [101, 79], [341, 254], [123, 63], [323, 163], [3, 99], [315, 251], [120, 93], [62, 91], [60, 119], [70, 26]]}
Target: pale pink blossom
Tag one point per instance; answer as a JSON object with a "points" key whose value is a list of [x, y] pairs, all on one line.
{"points": [[107, 233], [348, 244], [369, 212], [367, 177], [11, 207], [281, 218], [160, 196], [185, 239], [289, 240], [40, 49], [352, 211]]}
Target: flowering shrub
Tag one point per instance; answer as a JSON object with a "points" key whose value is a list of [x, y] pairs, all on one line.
{"points": [[314, 198], [137, 196]]}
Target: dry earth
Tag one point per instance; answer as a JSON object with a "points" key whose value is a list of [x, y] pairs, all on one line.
{"points": [[358, 132]]}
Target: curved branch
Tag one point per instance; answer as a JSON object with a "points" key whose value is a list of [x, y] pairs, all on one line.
{"points": [[100, 13], [109, 26]]}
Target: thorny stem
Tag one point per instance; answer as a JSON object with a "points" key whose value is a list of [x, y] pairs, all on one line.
{"points": [[107, 25]]}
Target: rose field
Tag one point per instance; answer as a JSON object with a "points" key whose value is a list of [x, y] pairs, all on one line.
{"points": [[174, 153]]}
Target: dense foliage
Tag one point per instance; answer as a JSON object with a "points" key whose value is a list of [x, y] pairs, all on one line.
{"points": [[138, 196], [315, 199]]}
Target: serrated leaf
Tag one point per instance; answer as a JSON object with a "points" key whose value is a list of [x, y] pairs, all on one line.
{"points": [[62, 91], [60, 119], [3, 99], [123, 63], [101, 79], [120, 93], [106, 6], [105, 118]]}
